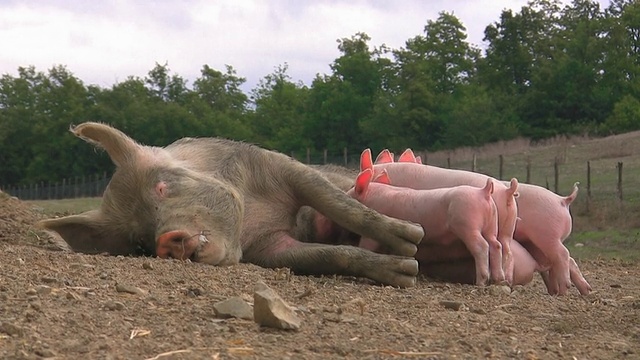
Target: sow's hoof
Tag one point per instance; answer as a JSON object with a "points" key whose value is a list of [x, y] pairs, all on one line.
{"points": [[391, 270]]}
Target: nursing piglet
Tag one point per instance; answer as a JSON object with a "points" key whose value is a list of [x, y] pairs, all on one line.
{"points": [[408, 173], [448, 216]]}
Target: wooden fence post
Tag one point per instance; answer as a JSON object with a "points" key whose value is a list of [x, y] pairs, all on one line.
{"points": [[500, 170], [588, 186], [556, 165], [325, 156], [528, 181], [474, 163], [620, 181], [346, 160], [448, 162], [308, 155]]}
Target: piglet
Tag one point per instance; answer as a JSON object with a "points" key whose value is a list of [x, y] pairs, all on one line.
{"points": [[545, 222], [448, 216], [408, 172]]}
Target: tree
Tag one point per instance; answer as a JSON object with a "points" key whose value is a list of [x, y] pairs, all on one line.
{"points": [[340, 103], [226, 103], [279, 114]]}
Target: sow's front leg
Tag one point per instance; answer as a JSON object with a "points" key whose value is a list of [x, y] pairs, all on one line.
{"points": [[281, 250]]}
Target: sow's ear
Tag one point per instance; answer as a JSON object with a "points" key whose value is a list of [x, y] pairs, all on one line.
{"points": [[85, 233]]}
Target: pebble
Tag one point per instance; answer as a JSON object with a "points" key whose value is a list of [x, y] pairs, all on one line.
{"points": [[499, 289], [129, 289], [48, 280], [80, 266], [114, 305], [147, 265], [31, 292], [452, 305]]}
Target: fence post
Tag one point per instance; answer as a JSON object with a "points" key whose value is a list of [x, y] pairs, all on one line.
{"points": [[528, 181], [308, 155], [588, 186], [346, 160], [474, 163], [556, 165], [500, 171], [448, 162], [325, 156], [620, 181]]}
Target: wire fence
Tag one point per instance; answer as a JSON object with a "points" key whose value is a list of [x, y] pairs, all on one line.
{"points": [[77, 187], [599, 179]]}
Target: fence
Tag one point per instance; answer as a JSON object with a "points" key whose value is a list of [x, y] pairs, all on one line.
{"points": [[600, 178], [78, 187]]}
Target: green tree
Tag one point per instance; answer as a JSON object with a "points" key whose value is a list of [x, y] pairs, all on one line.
{"points": [[226, 103], [279, 112], [340, 103]]}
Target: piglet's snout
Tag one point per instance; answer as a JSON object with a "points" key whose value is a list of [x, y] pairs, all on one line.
{"points": [[178, 244]]}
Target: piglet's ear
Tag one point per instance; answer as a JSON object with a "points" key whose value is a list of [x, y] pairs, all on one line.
{"points": [[365, 160], [383, 178], [120, 147], [384, 157], [362, 181], [86, 233], [407, 156], [418, 160]]}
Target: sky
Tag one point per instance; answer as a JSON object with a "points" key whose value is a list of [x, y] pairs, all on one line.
{"points": [[103, 42]]}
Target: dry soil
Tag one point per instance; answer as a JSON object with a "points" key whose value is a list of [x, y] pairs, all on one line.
{"points": [[57, 304]]}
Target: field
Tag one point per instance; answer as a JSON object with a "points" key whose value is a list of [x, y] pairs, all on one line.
{"points": [[56, 304]]}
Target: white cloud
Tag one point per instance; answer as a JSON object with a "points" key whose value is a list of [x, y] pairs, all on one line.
{"points": [[103, 42]]}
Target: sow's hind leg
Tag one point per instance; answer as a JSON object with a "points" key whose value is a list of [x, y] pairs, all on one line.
{"points": [[313, 189], [281, 250]]}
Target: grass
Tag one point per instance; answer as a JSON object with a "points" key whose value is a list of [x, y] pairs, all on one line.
{"points": [[66, 206]]}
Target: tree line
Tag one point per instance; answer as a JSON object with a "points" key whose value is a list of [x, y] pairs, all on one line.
{"points": [[545, 70]]}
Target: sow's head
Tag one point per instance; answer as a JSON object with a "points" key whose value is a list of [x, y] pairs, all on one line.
{"points": [[156, 204]]}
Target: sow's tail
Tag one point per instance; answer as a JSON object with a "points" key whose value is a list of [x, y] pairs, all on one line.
{"points": [[574, 194]]}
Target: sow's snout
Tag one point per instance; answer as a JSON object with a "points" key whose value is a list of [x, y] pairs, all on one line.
{"points": [[206, 233], [179, 244]]}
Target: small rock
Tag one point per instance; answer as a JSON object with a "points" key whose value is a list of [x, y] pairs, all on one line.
{"points": [[45, 353], [103, 275], [499, 289], [270, 310], [31, 292], [579, 245], [43, 290], [453, 305], [114, 305], [536, 329], [129, 289], [147, 265], [233, 307], [48, 280], [80, 266], [10, 329]]}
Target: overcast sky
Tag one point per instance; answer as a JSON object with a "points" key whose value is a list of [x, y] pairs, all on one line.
{"points": [[103, 42]]}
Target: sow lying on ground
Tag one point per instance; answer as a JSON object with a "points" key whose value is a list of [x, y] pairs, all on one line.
{"points": [[220, 202]]}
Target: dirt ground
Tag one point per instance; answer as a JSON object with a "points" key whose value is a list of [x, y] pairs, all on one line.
{"points": [[56, 304]]}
